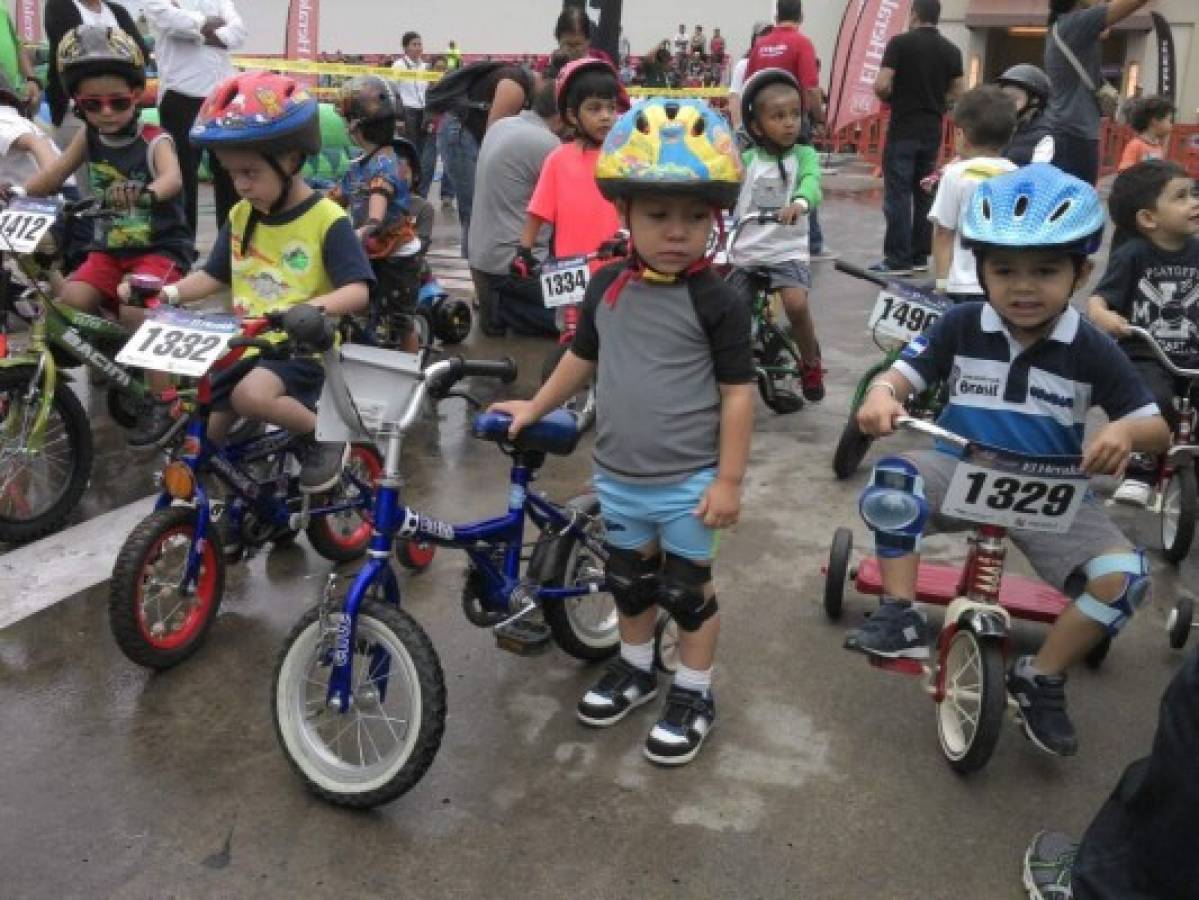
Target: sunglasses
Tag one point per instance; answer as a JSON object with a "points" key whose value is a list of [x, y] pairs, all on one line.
{"points": [[114, 102]]}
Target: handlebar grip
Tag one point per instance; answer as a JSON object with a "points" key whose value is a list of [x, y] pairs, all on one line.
{"points": [[503, 369], [856, 272]]}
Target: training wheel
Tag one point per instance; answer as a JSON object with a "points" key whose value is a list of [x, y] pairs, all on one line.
{"points": [[415, 556], [837, 573], [666, 644], [1179, 622]]}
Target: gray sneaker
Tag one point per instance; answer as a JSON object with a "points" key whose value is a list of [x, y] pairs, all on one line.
{"points": [[897, 630], [320, 464], [1048, 866]]}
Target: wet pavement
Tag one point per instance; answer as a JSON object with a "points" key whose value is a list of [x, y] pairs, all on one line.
{"points": [[823, 779]]}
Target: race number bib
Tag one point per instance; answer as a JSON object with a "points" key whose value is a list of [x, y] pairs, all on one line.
{"points": [[179, 342], [564, 281], [25, 221], [903, 316], [1024, 492]]}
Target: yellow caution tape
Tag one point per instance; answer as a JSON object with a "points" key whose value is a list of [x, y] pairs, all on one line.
{"points": [[678, 92]]}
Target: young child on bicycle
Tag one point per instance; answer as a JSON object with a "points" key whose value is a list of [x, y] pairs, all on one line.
{"points": [[984, 119], [134, 169], [377, 190], [1152, 281], [1153, 119], [668, 345], [1022, 370], [283, 245], [783, 176], [590, 98]]}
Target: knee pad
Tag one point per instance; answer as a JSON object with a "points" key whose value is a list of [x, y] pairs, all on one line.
{"points": [[894, 508], [1114, 616], [633, 580], [682, 593]]}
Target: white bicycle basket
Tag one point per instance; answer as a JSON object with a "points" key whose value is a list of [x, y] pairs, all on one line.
{"points": [[364, 389]]}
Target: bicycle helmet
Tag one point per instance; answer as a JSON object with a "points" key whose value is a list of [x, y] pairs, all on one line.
{"points": [[1028, 77], [670, 146], [259, 111], [366, 100], [91, 50], [1038, 206], [758, 82], [577, 67]]}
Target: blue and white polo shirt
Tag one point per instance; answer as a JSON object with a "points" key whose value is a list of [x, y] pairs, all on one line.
{"points": [[1030, 400]]}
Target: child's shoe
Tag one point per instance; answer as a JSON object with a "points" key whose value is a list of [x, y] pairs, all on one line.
{"points": [[1133, 493], [621, 689], [896, 630], [1042, 702], [687, 720], [812, 377], [320, 463], [1049, 865]]}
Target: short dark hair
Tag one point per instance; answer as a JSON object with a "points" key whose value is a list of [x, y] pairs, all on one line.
{"points": [[789, 10], [927, 11], [408, 38], [572, 20], [595, 83], [1136, 188], [987, 116], [1144, 111], [545, 101]]}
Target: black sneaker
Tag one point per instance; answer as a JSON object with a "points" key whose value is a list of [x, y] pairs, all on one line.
{"points": [[1049, 865], [152, 426], [687, 720], [1042, 702], [896, 630], [320, 463], [621, 689]]}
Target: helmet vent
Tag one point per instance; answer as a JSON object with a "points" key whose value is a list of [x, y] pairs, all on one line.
{"points": [[642, 123], [1062, 209], [698, 127], [1021, 206], [987, 208], [671, 110]]}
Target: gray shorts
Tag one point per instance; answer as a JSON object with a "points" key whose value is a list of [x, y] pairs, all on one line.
{"points": [[1054, 557], [789, 274]]}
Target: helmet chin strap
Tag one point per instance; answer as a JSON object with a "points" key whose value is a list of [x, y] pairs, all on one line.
{"points": [[638, 269]]}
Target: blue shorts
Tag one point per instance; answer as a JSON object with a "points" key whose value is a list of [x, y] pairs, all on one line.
{"points": [[639, 514]]}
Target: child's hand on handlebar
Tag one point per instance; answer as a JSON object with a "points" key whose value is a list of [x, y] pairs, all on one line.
{"points": [[878, 412], [1109, 451], [720, 506], [1113, 323], [521, 411], [789, 215]]}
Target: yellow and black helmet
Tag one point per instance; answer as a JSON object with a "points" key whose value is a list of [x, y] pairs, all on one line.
{"points": [[92, 50], [671, 146]]}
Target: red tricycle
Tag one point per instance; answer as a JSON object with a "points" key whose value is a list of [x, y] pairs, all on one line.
{"points": [[967, 676]]}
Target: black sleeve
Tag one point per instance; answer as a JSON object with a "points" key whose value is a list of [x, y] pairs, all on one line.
{"points": [[726, 320], [586, 340], [1118, 283], [220, 258], [59, 18], [892, 53], [344, 258], [607, 33]]}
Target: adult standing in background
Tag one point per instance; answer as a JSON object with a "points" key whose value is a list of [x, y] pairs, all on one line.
{"points": [[921, 77], [682, 44], [453, 57], [192, 40], [578, 37], [1073, 114], [61, 16], [412, 97], [625, 48], [737, 77]]}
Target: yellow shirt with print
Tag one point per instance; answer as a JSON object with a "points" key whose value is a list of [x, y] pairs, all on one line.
{"points": [[285, 264]]}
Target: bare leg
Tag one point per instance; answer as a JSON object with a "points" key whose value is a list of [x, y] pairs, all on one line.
{"points": [[795, 304], [899, 576], [261, 395]]}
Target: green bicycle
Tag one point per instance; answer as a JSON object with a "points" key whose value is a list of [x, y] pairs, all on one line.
{"points": [[901, 312]]}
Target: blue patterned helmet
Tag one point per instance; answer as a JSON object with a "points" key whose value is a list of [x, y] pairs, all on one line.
{"points": [[1034, 207]]}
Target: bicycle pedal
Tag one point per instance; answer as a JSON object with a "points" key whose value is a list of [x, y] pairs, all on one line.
{"points": [[522, 637]]}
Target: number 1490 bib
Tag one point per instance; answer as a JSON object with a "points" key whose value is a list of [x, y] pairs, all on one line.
{"points": [[1022, 492]]}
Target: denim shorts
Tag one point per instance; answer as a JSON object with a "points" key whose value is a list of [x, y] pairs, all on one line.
{"points": [[790, 274], [639, 514]]}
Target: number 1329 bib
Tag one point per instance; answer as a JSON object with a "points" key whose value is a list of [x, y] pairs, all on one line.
{"points": [[1022, 492]]}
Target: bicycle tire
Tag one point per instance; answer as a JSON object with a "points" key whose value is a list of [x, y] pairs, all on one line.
{"points": [[563, 616], [1178, 535], [969, 753], [778, 391], [325, 540], [852, 448], [14, 527]]}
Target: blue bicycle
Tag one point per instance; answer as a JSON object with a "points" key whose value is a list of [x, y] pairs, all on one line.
{"points": [[359, 696], [219, 504]]}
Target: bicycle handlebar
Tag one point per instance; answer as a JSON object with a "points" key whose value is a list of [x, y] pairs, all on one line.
{"points": [[441, 377], [857, 272], [762, 217], [907, 423], [1146, 337]]}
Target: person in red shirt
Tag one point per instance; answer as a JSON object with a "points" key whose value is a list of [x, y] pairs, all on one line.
{"points": [[786, 47]]}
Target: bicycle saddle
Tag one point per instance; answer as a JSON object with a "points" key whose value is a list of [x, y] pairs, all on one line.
{"points": [[557, 433]]}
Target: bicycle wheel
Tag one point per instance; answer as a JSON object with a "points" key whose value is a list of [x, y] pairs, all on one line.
{"points": [[1178, 514], [1178, 625], [970, 716], [584, 627], [780, 384], [851, 448], [415, 556], [154, 624], [41, 481], [343, 536], [837, 573], [666, 644], [383, 744]]}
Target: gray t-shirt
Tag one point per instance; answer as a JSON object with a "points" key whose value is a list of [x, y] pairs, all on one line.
{"points": [[1072, 107], [509, 164], [663, 350]]}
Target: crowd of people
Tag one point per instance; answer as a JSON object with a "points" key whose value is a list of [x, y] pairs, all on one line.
{"points": [[554, 162]]}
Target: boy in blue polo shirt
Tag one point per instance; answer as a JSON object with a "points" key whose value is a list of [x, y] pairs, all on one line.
{"points": [[1022, 369]]}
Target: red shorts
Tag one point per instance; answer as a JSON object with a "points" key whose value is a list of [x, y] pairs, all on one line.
{"points": [[105, 272]]}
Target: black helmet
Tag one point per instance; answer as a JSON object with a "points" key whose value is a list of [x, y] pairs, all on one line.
{"points": [[756, 83], [1029, 77], [366, 100], [91, 50]]}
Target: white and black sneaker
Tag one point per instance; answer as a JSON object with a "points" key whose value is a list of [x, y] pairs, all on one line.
{"points": [[687, 720], [621, 689]]}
